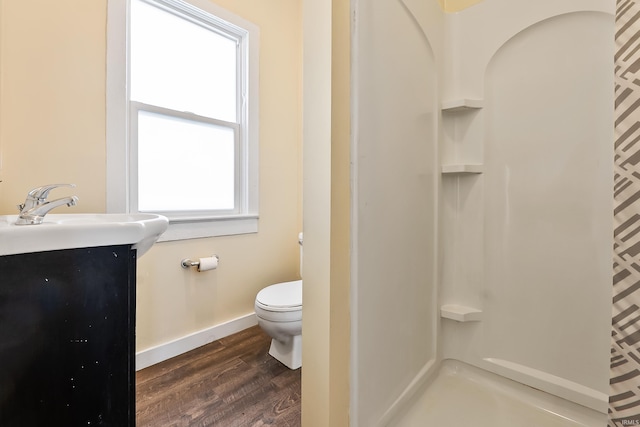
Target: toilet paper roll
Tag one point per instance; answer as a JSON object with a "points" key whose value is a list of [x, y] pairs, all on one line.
{"points": [[209, 263]]}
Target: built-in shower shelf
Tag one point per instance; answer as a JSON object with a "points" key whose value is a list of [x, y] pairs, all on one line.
{"points": [[462, 169], [464, 104], [460, 313]]}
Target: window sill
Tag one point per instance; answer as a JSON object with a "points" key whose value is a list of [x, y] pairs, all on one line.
{"points": [[210, 227]]}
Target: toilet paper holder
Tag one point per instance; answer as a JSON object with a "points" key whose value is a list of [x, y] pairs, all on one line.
{"points": [[187, 263]]}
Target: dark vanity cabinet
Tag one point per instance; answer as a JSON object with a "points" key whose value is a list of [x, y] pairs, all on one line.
{"points": [[67, 338]]}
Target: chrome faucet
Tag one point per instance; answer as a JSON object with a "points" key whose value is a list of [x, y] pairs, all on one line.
{"points": [[36, 206]]}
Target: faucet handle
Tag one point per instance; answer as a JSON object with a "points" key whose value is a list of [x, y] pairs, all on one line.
{"points": [[41, 193]]}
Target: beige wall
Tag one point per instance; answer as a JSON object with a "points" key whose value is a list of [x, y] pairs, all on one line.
{"points": [[317, 214], [456, 5], [325, 377], [339, 325], [52, 111], [52, 105]]}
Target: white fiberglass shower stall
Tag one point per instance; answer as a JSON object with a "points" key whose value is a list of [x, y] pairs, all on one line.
{"points": [[483, 170]]}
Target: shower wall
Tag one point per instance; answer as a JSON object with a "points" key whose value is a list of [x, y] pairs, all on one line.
{"points": [[482, 198], [526, 237], [394, 209]]}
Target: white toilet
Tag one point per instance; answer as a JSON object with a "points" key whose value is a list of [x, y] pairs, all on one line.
{"points": [[279, 312]]}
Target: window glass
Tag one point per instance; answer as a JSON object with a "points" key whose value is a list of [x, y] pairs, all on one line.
{"points": [[184, 165], [178, 64]]}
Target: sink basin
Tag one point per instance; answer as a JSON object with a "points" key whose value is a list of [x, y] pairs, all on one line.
{"points": [[67, 231]]}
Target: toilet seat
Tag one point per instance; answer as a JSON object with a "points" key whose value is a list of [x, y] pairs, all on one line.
{"points": [[286, 296], [281, 302]]}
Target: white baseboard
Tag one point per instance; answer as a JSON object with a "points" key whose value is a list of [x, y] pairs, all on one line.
{"points": [[162, 352]]}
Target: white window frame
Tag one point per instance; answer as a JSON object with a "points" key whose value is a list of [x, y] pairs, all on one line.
{"points": [[121, 150]]}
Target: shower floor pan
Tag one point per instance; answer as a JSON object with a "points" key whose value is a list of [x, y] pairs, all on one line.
{"points": [[462, 395]]}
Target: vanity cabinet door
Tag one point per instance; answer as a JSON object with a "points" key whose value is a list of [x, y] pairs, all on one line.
{"points": [[67, 338]]}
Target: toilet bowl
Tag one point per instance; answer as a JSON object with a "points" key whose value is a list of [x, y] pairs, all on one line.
{"points": [[279, 311]]}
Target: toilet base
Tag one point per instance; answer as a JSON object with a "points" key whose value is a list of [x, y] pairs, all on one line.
{"points": [[289, 353]]}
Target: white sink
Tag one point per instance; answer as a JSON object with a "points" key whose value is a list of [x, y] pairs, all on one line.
{"points": [[68, 231]]}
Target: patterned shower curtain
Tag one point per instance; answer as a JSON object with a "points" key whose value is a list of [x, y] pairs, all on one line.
{"points": [[624, 400]]}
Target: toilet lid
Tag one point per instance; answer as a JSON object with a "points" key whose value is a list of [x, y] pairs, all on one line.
{"points": [[285, 296]]}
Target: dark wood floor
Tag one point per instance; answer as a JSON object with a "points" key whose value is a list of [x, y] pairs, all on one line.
{"points": [[232, 382]]}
